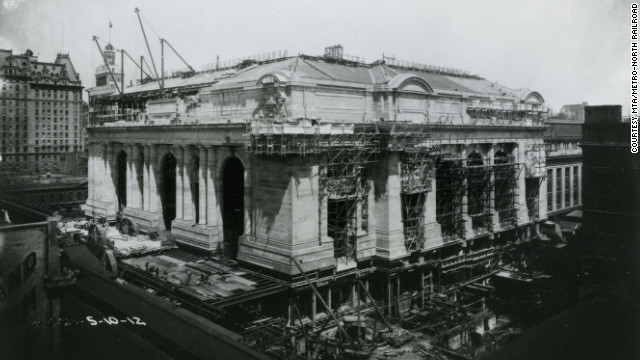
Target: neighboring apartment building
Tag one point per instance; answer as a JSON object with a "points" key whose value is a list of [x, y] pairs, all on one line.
{"points": [[40, 112]]}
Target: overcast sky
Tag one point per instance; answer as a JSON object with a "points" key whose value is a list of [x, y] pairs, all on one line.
{"points": [[570, 51]]}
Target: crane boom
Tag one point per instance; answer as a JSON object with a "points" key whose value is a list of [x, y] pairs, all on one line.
{"points": [[137, 11], [138, 65], [174, 50]]}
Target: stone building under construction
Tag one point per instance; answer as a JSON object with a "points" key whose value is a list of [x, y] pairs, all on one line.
{"points": [[403, 177]]}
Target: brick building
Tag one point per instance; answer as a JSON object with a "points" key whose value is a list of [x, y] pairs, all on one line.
{"points": [[41, 112]]}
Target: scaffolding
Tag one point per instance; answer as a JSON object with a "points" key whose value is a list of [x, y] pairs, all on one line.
{"points": [[413, 220], [344, 151], [479, 186], [417, 170], [450, 192], [536, 174], [105, 110], [342, 183], [506, 172]]}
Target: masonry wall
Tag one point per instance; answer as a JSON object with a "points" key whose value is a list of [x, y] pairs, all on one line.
{"points": [[285, 216]]}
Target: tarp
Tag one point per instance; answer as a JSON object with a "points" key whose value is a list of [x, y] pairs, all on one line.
{"points": [[83, 258]]}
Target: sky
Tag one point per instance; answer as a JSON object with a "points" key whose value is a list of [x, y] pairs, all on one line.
{"points": [[570, 51]]}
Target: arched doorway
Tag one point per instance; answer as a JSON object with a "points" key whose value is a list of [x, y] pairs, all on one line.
{"points": [[478, 191], [449, 196], [232, 204], [504, 187], [168, 189], [121, 180]]}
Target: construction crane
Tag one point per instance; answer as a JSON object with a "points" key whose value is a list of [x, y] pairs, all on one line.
{"points": [[162, 42], [174, 50], [138, 65], [137, 11]]}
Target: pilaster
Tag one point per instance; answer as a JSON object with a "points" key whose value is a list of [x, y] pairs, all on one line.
{"points": [[109, 189], [202, 191], [521, 196], [146, 186], [466, 219], [154, 168], [389, 231], [432, 230], [187, 199], [495, 218], [212, 200], [179, 154]]}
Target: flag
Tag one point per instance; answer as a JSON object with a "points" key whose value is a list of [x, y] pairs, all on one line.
{"points": [[110, 26]]}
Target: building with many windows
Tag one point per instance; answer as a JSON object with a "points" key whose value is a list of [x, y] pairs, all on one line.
{"points": [[40, 112], [563, 164]]}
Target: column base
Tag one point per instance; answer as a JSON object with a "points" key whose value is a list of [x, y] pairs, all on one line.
{"points": [[523, 218], [366, 246], [495, 223], [432, 235], [99, 208], [468, 231], [144, 220], [198, 236], [395, 241], [257, 251], [345, 263]]}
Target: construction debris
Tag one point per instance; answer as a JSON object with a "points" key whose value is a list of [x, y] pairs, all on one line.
{"points": [[398, 337]]}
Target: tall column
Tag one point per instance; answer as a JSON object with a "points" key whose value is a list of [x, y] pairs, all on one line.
{"points": [[128, 148], [154, 198], [179, 152], [146, 169], [495, 217], [100, 172], [212, 201], [468, 224], [554, 189], [562, 183], [202, 191], [542, 195], [522, 212], [186, 194], [572, 175], [432, 230], [91, 175], [109, 188], [579, 185], [389, 230], [134, 201]]}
